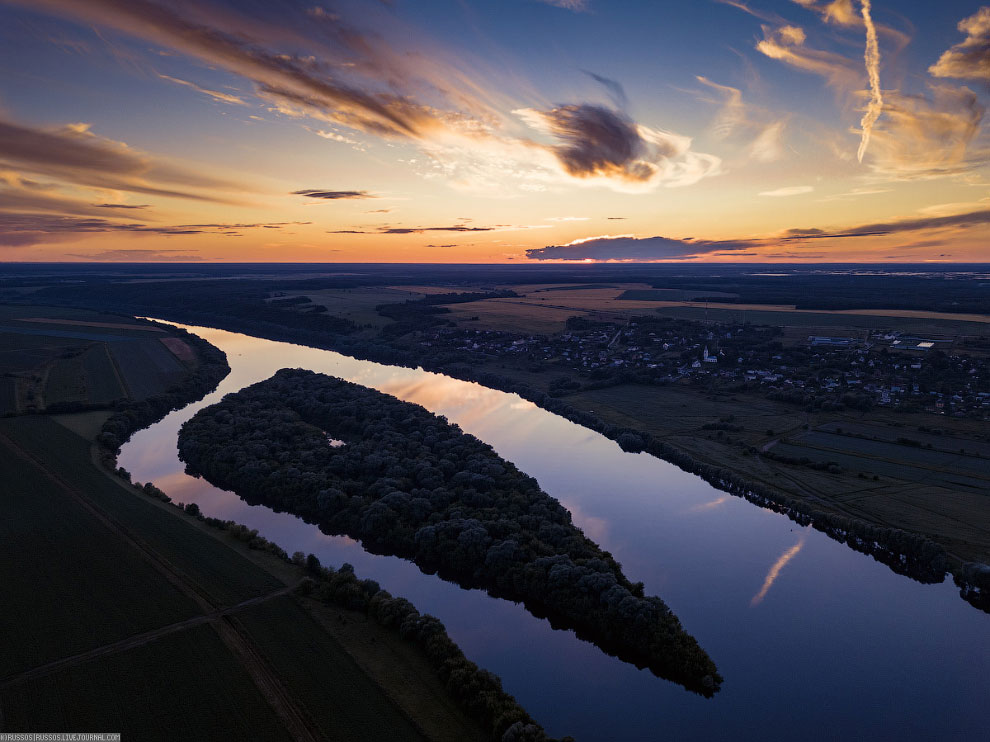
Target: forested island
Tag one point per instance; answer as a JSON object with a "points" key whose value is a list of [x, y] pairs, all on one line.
{"points": [[407, 482]]}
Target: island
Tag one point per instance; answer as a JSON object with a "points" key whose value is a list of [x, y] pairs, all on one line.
{"points": [[406, 482]]}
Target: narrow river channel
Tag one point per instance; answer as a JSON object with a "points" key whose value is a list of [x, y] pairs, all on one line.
{"points": [[814, 640]]}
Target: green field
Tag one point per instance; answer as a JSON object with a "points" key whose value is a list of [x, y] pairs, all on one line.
{"points": [[147, 366], [62, 358], [8, 395], [892, 451], [220, 572], [186, 686], [341, 697], [102, 384], [103, 592], [66, 382], [948, 443]]}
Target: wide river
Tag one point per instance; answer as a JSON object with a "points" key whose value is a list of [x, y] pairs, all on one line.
{"points": [[814, 640]]}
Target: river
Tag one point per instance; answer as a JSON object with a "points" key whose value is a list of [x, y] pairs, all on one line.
{"points": [[814, 640]]}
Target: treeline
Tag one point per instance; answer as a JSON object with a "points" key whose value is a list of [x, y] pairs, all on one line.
{"points": [[478, 691], [411, 484], [849, 291], [422, 314]]}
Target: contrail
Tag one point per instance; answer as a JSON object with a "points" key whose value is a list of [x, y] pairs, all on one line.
{"points": [[872, 57], [775, 569]]}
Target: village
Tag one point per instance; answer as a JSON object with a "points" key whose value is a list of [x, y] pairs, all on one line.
{"points": [[879, 368]]}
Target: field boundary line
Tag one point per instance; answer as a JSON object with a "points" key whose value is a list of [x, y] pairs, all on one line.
{"points": [[271, 688], [132, 642]]}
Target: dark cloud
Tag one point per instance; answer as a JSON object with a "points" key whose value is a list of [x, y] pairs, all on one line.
{"points": [[454, 228], [633, 249], [332, 195], [597, 141], [32, 200], [666, 248], [415, 230], [17, 230], [140, 256], [615, 218], [121, 206], [968, 219], [75, 155], [220, 36]]}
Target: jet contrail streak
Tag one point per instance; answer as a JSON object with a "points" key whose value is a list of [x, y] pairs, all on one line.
{"points": [[872, 58]]}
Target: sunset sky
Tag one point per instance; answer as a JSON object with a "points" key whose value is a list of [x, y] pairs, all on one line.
{"points": [[492, 131]]}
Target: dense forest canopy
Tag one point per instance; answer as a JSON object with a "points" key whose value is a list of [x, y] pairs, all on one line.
{"points": [[409, 483]]}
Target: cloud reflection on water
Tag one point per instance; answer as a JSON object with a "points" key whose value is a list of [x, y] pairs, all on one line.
{"points": [[774, 572]]}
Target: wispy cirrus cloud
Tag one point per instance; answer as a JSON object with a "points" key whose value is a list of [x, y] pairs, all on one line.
{"points": [[787, 44], [215, 94], [970, 58], [788, 191], [839, 12], [578, 6], [74, 154], [324, 68], [902, 136], [928, 136], [976, 218], [21, 229], [761, 132]]}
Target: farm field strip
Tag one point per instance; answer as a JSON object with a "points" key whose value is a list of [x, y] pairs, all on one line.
{"points": [[310, 660], [946, 443], [881, 467], [187, 686], [83, 323], [70, 334], [261, 674], [103, 383], [148, 367], [104, 593], [135, 641], [896, 452]]}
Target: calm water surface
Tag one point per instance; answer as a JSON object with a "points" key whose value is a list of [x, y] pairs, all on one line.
{"points": [[814, 640]]}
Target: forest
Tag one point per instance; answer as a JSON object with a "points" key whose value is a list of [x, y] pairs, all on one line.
{"points": [[409, 483]]}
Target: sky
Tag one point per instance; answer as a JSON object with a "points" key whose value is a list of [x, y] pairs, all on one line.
{"points": [[494, 131]]}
